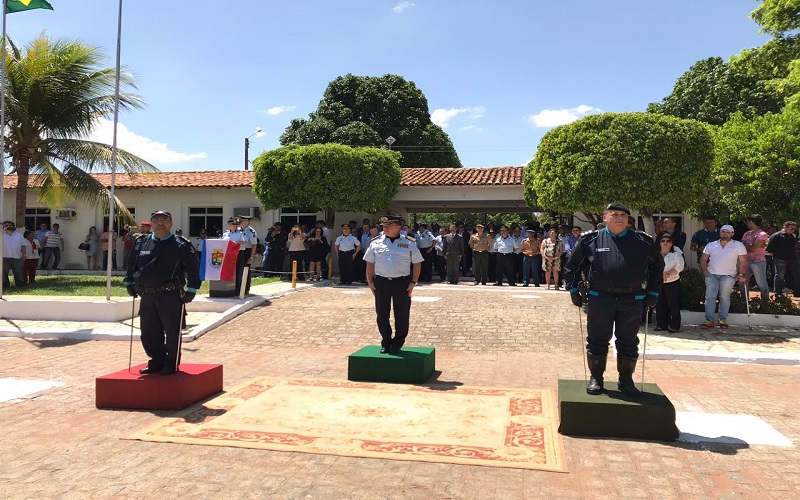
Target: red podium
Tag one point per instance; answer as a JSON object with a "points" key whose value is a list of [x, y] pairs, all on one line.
{"points": [[191, 384]]}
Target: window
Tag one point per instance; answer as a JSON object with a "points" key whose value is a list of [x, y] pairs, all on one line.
{"points": [[208, 218], [36, 216], [292, 216], [118, 222]]}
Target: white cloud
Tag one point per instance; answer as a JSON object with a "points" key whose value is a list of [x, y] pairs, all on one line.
{"points": [[279, 109], [554, 117], [402, 6], [150, 150], [441, 116]]}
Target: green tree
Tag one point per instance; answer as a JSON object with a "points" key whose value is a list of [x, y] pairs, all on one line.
{"points": [[56, 92], [329, 177], [757, 167], [652, 163], [365, 110], [712, 90], [776, 17]]}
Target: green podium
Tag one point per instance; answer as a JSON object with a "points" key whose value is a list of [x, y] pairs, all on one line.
{"points": [[613, 414], [412, 365]]}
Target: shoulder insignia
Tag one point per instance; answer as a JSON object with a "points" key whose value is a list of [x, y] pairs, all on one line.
{"points": [[587, 233]]}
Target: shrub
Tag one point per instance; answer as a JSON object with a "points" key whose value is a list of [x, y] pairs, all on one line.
{"points": [[693, 293]]}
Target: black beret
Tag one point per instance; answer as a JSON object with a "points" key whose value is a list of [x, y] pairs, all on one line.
{"points": [[618, 206]]}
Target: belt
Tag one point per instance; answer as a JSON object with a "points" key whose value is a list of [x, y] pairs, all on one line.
{"points": [[347, 251], [393, 278], [617, 289], [170, 287]]}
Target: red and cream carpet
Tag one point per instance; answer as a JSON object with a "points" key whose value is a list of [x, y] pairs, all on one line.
{"points": [[463, 425]]}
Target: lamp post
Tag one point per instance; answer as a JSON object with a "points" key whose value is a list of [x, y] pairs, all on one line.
{"points": [[390, 140], [247, 147]]}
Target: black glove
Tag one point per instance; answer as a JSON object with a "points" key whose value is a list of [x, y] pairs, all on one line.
{"points": [[188, 297], [650, 300], [576, 298], [132, 291]]}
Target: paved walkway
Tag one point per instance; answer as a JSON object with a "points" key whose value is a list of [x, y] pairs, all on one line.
{"points": [[57, 445]]}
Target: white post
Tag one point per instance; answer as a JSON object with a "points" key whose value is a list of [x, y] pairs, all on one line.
{"points": [[112, 245]]}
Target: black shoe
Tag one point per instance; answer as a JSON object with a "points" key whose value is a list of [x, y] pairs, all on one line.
{"points": [[659, 329], [168, 370], [524, 284], [384, 350], [394, 350], [673, 330], [626, 367], [498, 284], [147, 370], [597, 366]]}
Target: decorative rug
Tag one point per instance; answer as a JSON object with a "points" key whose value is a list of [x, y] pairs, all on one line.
{"points": [[475, 426]]}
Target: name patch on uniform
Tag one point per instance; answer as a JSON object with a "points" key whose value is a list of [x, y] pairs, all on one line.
{"points": [[603, 250], [144, 252], [402, 245]]}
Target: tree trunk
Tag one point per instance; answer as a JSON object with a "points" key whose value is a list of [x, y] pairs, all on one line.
{"points": [[593, 218], [23, 171], [649, 224], [330, 217]]}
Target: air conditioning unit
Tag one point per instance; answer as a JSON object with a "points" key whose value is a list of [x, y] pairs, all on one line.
{"points": [[252, 212], [66, 213]]}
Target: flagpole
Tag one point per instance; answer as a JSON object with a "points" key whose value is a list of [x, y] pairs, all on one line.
{"points": [[3, 139], [112, 245]]}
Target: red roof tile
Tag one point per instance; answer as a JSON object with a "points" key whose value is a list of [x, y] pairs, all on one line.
{"points": [[244, 178]]}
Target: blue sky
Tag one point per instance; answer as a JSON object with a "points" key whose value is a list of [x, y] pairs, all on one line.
{"points": [[497, 74]]}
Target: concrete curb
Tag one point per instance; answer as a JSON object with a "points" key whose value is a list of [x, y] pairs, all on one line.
{"points": [[754, 358], [786, 321]]}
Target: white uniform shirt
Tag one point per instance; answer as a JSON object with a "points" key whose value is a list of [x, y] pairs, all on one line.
{"points": [[439, 245], [235, 236], [393, 259], [518, 241], [250, 237], [505, 245], [424, 239], [347, 243]]}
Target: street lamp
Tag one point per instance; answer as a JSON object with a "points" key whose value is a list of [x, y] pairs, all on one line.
{"points": [[390, 140], [247, 147]]}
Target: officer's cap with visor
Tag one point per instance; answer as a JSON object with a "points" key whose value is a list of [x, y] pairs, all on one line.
{"points": [[618, 206], [244, 217], [388, 220], [160, 212], [233, 220], [345, 226]]}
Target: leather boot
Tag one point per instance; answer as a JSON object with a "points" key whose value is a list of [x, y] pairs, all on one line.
{"points": [[597, 366], [626, 366]]}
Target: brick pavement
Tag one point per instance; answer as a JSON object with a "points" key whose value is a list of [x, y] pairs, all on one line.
{"points": [[57, 445]]}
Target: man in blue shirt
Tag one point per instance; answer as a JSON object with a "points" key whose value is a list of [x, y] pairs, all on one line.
{"points": [[705, 236]]}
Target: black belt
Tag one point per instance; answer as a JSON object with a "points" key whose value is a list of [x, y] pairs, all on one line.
{"points": [[407, 276], [617, 289], [347, 251], [170, 287]]}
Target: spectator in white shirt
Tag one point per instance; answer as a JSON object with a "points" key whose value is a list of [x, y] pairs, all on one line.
{"points": [[724, 262], [13, 254], [668, 307]]}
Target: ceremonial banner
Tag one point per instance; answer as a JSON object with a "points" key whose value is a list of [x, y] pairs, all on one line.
{"points": [[20, 5], [219, 260]]}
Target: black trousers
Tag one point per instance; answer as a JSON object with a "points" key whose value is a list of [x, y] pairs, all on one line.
{"points": [[392, 293], [427, 264], [609, 314], [518, 267], [241, 263], [441, 264], [505, 266], [160, 317], [346, 267], [492, 266], [668, 307]]}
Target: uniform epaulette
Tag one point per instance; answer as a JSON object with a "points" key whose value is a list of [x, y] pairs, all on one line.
{"points": [[182, 239], [642, 233], [410, 238], [586, 233]]}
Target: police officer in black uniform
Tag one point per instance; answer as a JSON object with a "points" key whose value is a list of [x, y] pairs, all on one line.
{"points": [[624, 271], [159, 266]]}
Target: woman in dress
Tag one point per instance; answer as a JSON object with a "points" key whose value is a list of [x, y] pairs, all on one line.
{"points": [[668, 307], [93, 240], [551, 258], [317, 250]]}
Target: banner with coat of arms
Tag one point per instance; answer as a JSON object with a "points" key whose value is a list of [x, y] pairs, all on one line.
{"points": [[219, 260]]}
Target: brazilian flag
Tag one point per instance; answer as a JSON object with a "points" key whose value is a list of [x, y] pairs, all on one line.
{"points": [[22, 5]]}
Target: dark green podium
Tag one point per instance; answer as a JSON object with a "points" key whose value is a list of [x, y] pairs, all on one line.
{"points": [[613, 414], [412, 365]]}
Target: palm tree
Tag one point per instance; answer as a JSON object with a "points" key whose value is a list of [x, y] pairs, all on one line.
{"points": [[56, 91]]}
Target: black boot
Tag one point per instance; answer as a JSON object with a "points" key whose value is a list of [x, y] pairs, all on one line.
{"points": [[626, 366], [597, 366]]}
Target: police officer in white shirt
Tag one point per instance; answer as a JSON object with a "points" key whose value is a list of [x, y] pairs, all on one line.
{"points": [[389, 259], [346, 246], [427, 249], [233, 234], [247, 254], [505, 245]]}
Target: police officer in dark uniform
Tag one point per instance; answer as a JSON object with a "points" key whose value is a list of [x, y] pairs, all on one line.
{"points": [[624, 272], [159, 265], [393, 266]]}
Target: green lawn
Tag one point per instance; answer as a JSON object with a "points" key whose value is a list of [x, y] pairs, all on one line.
{"points": [[89, 286]]}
